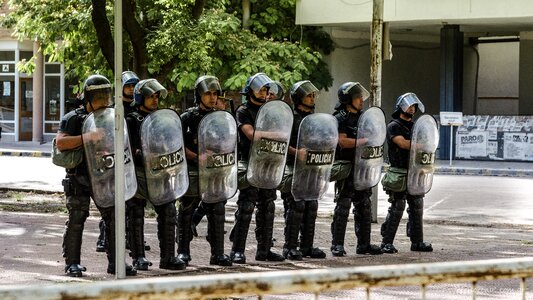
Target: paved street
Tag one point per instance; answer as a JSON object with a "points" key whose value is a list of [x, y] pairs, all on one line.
{"points": [[467, 218]]}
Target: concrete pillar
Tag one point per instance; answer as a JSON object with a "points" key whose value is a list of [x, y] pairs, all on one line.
{"points": [[38, 124], [525, 76], [451, 79]]}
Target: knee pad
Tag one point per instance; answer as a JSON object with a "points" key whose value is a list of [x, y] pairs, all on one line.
{"points": [[188, 203], [298, 206], [267, 195], [246, 207], [415, 202], [219, 208], [312, 205], [398, 204], [167, 210], [270, 207], [77, 217]]}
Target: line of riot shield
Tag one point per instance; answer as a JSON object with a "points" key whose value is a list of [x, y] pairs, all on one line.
{"points": [[371, 129], [268, 153], [164, 156], [315, 152], [424, 143], [217, 157], [98, 141]]}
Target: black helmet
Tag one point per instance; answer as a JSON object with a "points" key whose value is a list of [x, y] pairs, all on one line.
{"points": [[348, 90], [255, 83], [203, 84], [404, 102], [301, 89], [147, 87], [95, 84]]}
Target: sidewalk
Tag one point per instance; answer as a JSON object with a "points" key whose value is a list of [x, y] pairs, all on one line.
{"points": [[458, 167]]}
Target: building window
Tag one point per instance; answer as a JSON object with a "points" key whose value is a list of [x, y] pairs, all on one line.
{"points": [[7, 104], [52, 100], [7, 55]]}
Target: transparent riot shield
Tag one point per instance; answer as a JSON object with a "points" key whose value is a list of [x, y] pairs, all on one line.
{"points": [[424, 142], [268, 152], [98, 142], [317, 140], [217, 157], [371, 131], [164, 156]]}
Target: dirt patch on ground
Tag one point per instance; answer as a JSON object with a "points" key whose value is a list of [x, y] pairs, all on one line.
{"points": [[15, 201]]}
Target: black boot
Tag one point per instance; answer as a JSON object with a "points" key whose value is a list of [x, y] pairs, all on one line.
{"points": [[100, 243], [243, 216], [293, 219], [415, 226], [338, 226], [166, 232], [75, 270], [215, 219], [392, 221], [308, 231], [363, 221]]}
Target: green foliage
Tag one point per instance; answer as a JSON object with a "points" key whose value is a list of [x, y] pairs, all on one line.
{"points": [[179, 47]]}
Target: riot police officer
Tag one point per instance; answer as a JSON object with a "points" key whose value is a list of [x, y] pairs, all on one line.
{"points": [[129, 80], [255, 90], [301, 214], [97, 93], [399, 142], [146, 96], [206, 93], [351, 97]]}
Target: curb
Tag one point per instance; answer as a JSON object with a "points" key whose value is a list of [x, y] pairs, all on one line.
{"points": [[25, 153], [524, 173]]}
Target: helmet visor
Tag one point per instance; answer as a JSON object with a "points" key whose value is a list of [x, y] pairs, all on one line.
{"points": [[307, 88], [260, 81], [209, 83], [129, 77], [356, 90], [408, 99], [152, 86], [276, 91]]}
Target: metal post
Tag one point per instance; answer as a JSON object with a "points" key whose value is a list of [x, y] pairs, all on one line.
{"points": [[451, 143], [376, 60], [120, 215]]}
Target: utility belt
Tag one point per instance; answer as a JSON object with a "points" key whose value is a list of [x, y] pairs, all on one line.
{"points": [[395, 180], [76, 185]]}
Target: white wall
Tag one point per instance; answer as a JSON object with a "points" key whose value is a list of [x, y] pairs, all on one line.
{"points": [[335, 12]]}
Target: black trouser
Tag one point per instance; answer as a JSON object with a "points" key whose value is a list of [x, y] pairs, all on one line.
{"points": [[215, 224], [78, 201], [248, 199], [300, 218], [415, 211], [186, 208], [362, 212], [135, 226], [166, 229]]}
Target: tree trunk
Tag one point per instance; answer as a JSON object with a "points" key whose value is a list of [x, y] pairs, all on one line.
{"points": [[103, 32]]}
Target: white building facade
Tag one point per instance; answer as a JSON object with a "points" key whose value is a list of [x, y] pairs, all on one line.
{"points": [[473, 56]]}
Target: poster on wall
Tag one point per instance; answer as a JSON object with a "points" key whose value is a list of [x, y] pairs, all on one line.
{"points": [[504, 138], [515, 145], [471, 144]]}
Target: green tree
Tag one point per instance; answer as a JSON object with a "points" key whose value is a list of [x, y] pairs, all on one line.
{"points": [[173, 41]]}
